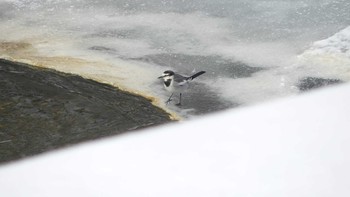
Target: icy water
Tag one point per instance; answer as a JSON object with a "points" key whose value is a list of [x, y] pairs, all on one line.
{"points": [[252, 51]]}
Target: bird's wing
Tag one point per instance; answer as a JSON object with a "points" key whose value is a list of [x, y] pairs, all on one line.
{"points": [[181, 80]]}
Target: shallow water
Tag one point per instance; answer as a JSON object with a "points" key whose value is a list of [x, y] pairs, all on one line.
{"points": [[252, 50]]}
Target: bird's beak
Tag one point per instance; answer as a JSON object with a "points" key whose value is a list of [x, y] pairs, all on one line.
{"points": [[161, 77]]}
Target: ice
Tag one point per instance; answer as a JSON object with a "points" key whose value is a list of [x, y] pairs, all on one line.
{"points": [[338, 44], [117, 42], [329, 57]]}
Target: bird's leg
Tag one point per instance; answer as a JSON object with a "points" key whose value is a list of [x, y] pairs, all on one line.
{"points": [[169, 99], [179, 100]]}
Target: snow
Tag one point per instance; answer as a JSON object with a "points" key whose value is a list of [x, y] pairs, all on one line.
{"points": [[339, 43], [328, 58], [293, 147]]}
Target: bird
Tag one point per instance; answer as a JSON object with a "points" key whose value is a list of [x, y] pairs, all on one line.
{"points": [[176, 83]]}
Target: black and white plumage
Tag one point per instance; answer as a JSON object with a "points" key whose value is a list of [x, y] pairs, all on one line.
{"points": [[176, 83]]}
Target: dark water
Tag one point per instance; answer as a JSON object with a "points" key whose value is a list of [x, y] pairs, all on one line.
{"points": [[310, 83]]}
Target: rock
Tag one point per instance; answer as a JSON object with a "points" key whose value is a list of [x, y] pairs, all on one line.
{"points": [[42, 109]]}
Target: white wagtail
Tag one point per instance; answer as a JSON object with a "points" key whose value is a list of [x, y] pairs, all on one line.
{"points": [[176, 83]]}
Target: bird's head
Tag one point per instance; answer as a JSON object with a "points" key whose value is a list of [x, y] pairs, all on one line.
{"points": [[168, 74]]}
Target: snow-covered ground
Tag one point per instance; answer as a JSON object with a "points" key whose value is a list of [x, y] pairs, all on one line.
{"points": [[298, 146]]}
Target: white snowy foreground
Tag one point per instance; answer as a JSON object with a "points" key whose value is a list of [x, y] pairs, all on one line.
{"points": [[293, 147]]}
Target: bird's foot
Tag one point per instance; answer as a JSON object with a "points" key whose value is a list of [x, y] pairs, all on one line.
{"points": [[168, 101], [178, 104]]}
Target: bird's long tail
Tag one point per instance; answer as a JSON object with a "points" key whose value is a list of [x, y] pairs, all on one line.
{"points": [[195, 75]]}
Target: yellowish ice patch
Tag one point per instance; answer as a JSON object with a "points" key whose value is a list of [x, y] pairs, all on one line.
{"points": [[96, 70]]}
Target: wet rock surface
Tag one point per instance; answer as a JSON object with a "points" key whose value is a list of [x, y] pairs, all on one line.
{"points": [[41, 110], [309, 83]]}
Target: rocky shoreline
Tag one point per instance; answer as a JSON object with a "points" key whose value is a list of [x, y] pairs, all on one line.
{"points": [[43, 109]]}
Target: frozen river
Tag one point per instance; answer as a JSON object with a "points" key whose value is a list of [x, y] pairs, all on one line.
{"points": [[252, 51]]}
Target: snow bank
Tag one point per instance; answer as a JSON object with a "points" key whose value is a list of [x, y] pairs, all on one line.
{"points": [[329, 58], [338, 44], [293, 147]]}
